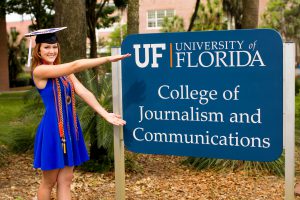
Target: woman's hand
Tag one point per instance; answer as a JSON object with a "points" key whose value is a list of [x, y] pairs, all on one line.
{"points": [[115, 119], [118, 57]]}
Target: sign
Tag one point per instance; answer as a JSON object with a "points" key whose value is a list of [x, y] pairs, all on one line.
{"points": [[216, 94]]}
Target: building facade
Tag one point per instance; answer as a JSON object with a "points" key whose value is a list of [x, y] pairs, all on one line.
{"points": [[151, 14]]}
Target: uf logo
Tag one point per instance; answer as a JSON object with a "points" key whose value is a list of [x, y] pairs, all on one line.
{"points": [[155, 55]]}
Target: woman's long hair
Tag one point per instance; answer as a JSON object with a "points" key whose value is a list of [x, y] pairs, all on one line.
{"points": [[37, 60]]}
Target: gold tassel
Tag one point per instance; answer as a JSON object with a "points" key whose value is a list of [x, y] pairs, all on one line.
{"points": [[63, 142], [65, 148]]}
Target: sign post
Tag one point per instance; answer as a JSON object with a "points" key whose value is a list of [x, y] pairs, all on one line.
{"points": [[289, 117], [118, 131]]}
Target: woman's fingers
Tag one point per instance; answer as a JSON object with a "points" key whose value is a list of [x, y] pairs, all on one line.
{"points": [[118, 116], [115, 119], [127, 55], [119, 122], [119, 57]]}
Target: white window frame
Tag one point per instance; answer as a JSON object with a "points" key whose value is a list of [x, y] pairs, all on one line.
{"points": [[156, 19]]}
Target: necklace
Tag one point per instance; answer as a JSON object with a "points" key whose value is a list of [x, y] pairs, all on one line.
{"points": [[71, 99], [66, 83], [60, 117]]}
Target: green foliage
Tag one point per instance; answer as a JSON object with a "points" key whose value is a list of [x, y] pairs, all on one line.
{"points": [[115, 38], [42, 11], [234, 10], [284, 16], [96, 130], [10, 107], [131, 165], [172, 24], [274, 14], [23, 79], [104, 16], [210, 17], [97, 165], [21, 137], [16, 56], [100, 14], [121, 4], [276, 167], [297, 86]]}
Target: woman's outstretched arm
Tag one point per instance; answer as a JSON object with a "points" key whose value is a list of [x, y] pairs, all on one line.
{"points": [[91, 100], [54, 71]]}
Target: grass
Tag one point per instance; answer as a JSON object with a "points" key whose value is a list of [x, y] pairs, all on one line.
{"points": [[11, 105]]}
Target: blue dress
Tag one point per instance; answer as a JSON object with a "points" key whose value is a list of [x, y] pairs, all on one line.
{"points": [[48, 150]]}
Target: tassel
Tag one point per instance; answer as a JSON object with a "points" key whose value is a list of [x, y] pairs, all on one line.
{"points": [[65, 151], [63, 143]]}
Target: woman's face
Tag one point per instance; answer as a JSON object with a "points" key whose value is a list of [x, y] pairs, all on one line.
{"points": [[49, 52]]}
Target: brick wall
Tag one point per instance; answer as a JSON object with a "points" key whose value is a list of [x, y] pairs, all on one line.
{"points": [[21, 27], [183, 8]]}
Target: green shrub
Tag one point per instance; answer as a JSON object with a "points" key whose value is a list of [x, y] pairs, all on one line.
{"points": [[107, 164], [97, 166], [275, 167], [297, 86], [20, 137], [20, 82], [131, 164]]}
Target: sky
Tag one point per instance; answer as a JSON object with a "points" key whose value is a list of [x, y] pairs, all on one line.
{"points": [[13, 17]]}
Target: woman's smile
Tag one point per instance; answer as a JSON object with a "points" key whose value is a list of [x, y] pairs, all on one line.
{"points": [[49, 52]]}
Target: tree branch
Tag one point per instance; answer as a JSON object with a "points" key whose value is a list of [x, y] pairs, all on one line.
{"points": [[194, 15]]}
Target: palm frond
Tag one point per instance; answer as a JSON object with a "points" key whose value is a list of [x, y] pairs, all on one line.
{"points": [[95, 128], [275, 167]]}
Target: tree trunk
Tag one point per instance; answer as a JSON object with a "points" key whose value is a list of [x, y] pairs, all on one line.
{"points": [[4, 81], [71, 13], [250, 14], [133, 17], [93, 43], [194, 15], [91, 24]]}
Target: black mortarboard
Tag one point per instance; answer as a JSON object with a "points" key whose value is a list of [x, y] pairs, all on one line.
{"points": [[49, 38]]}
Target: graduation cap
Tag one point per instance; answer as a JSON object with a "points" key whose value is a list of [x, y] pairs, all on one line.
{"points": [[43, 36]]}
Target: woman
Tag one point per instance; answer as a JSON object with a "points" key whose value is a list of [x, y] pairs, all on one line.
{"points": [[59, 144]]}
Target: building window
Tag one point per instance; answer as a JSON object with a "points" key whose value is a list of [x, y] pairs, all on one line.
{"points": [[156, 17], [13, 29]]}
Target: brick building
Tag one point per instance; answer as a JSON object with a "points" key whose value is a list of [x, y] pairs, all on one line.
{"points": [[151, 13], [18, 23]]}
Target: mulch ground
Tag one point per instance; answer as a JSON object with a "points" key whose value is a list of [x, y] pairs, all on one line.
{"points": [[161, 177]]}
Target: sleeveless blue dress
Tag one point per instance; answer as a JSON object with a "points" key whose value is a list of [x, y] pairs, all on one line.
{"points": [[48, 150]]}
